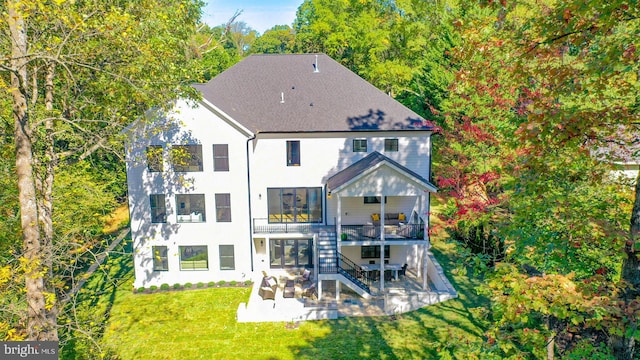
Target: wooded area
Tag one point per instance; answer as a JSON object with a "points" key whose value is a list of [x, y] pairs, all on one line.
{"points": [[535, 102]]}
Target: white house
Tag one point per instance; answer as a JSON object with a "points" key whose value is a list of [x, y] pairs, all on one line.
{"points": [[286, 162]]}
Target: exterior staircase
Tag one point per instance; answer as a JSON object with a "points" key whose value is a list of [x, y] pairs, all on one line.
{"points": [[335, 266]]}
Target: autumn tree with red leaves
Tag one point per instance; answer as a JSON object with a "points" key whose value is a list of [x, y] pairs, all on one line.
{"points": [[545, 100]]}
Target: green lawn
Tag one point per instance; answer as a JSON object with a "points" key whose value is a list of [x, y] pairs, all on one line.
{"points": [[200, 324]]}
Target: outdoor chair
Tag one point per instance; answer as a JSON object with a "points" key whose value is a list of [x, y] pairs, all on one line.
{"points": [[388, 276], [268, 288], [305, 277], [403, 271], [311, 292]]}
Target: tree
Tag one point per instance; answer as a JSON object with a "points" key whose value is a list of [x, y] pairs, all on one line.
{"points": [[279, 39], [400, 47], [77, 73], [560, 79], [241, 36], [211, 49]]}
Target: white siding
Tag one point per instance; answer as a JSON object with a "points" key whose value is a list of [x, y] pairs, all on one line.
{"points": [[323, 156], [188, 125]]}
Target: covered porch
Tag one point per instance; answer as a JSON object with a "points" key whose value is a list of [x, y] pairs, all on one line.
{"points": [[376, 204]]}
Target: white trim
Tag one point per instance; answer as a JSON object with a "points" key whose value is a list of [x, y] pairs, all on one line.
{"points": [[216, 110], [372, 169]]}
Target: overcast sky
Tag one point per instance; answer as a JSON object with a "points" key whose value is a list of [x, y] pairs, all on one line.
{"points": [[258, 14]]}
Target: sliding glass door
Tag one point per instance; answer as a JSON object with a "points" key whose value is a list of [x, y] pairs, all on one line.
{"points": [[285, 253]]}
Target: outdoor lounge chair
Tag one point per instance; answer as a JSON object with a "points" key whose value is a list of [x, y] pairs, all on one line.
{"points": [[268, 288]]}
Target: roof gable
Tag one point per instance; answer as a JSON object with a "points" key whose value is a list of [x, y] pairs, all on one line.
{"points": [[283, 93], [369, 163]]}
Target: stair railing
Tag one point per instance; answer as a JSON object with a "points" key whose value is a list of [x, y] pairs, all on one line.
{"points": [[354, 272]]}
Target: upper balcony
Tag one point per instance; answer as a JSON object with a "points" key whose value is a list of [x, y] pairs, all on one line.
{"points": [[263, 226], [366, 232], [370, 232]]}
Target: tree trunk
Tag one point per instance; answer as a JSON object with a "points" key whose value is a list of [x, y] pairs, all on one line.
{"points": [[624, 346], [38, 326], [45, 205]]}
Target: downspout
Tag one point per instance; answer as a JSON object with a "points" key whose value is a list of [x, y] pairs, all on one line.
{"points": [[251, 247]]}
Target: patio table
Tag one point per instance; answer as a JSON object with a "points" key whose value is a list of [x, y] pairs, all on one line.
{"points": [[394, 267]]}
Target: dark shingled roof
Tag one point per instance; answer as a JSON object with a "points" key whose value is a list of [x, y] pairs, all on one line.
{"points": [[332, 99], [363, 165]]}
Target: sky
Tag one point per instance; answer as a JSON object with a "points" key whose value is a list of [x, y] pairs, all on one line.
{"points": [[260, 15]]}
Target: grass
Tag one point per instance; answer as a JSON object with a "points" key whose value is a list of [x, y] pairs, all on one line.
{"points": [[200, 324]]}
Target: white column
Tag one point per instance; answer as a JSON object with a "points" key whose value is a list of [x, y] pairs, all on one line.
{"points": [[425, 277], [337, 290], [382, 242], [339, 225]]}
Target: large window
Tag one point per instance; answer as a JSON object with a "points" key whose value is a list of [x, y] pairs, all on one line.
{"points": [[220, 157], [290, 253], [373, 252], [223, 207], [359, 145], [154, 158], [158, 208], [298, 205], [391, 145], [227, 257], [293, 153], [191, 208], [194, 258], [160, 259], [186, 157]]}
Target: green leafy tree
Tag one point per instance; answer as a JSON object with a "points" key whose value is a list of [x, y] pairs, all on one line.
{"points": [[75, 73], [556, 83], [241, 37], [400, 47], [211, 50], [280, 39]]}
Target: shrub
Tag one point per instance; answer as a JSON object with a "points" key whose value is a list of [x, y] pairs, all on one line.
{"points": [[211, 284], [164, 287], [188, 285], [176, 286], [248, 282], [221, 282], [153, 288], [233, 282], [141, 289], [200, 284]]}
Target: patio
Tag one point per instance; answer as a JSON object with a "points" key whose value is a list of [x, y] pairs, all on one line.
{"points": [[403, 295]]}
